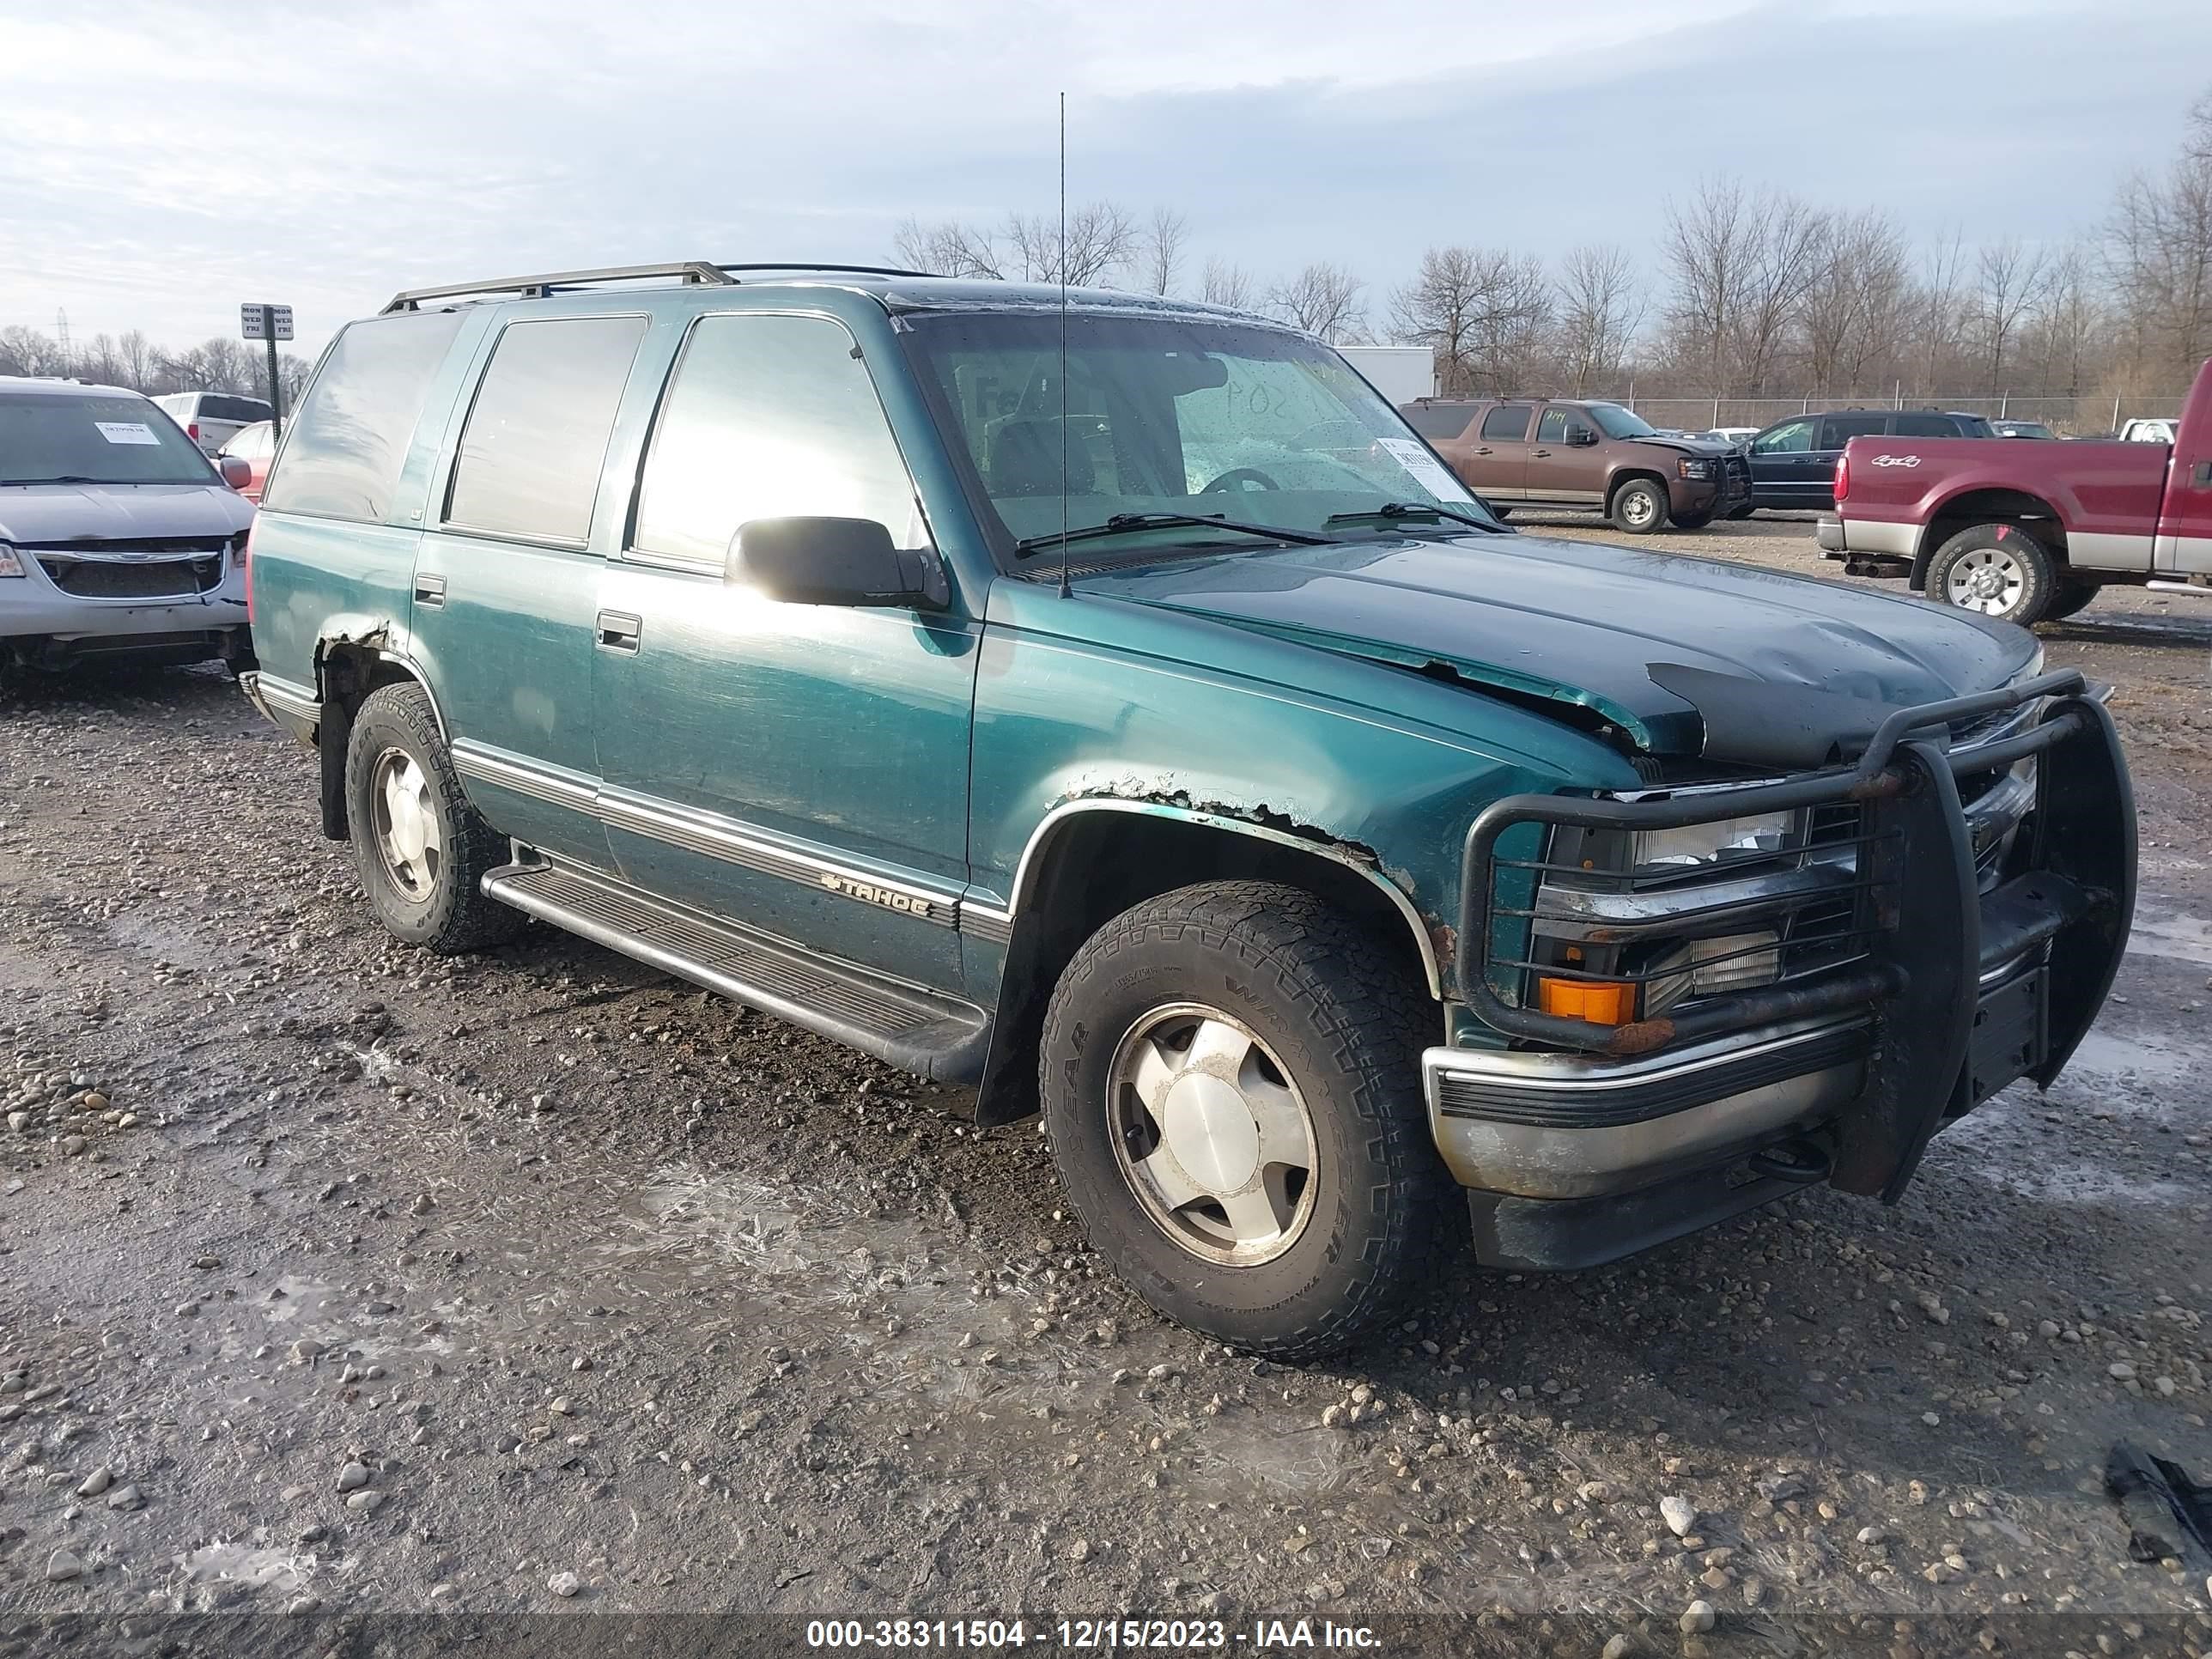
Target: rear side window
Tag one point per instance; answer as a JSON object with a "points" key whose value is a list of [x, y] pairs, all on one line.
{"points": [[1836, 430], [536, 435], [348, 438], [1437, 421], [1926, 426], [768, 417], [219, 406], [1508, 424]]}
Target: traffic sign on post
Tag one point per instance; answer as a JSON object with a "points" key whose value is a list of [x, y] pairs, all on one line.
{"points": [[264, 322], [272, 323]]}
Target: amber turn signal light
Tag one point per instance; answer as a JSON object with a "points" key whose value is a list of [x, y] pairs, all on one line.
{"points": [[1601, 1002]]}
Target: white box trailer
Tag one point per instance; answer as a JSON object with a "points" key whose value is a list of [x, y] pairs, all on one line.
{"points": [[1400, 373]]}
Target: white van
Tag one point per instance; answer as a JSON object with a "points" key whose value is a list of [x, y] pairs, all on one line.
{"points": [[211, 419]]}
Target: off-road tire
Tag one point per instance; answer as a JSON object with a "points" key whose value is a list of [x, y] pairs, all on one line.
{"points": [[1348, 1026], [1621, 509], [2072, 595], [2039, 571], [455, 916]]}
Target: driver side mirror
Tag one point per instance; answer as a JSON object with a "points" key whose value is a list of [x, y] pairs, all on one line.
{"points": [[1581, 437], [235, 471], [820, 561]]}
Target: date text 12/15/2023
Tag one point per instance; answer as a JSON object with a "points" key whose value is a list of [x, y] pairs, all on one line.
{"points": [[1265, 1635]]}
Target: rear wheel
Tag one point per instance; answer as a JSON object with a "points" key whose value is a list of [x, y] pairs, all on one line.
{"points": [[1638, 506], [421, 848], [1997, 570], [1230, 1077]]}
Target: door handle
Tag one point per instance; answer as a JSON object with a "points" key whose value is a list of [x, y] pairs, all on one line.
{"points": [[1485, 450], [618, 631], [1543, 452], [430, 592]]}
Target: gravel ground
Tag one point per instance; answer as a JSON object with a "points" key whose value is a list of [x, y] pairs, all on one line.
{"points": [[343, 1282]]}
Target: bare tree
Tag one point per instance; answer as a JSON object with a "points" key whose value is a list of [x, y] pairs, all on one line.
{"points": [[1324, 300], [1706, 247], [1227, 284], [1482, 312], [137, 352], [1101, 239], [2069, 323], [30, 351], [1856, 311], [947, 248], [1938, 307], [1743, 265], [1600, 308], [1163, 249], [2160, 237], [2009, 280]]}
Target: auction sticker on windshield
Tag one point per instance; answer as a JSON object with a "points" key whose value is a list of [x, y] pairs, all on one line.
{"points": [[1425, 468], [127, 432]]}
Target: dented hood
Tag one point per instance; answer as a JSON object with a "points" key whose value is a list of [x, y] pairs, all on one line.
{"points": [[1684, 656]]}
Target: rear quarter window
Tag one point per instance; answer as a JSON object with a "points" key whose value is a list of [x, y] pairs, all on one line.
{"points": [[349, 437], [536, 435], [1431, 421]]}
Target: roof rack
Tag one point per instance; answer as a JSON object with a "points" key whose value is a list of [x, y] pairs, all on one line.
{"points": [[690, 273], [857, 270]]}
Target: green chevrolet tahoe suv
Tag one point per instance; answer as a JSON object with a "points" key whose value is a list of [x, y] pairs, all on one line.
{"points": [[1111, 704]]}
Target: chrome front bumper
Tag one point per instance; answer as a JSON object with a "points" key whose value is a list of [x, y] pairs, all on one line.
{"points": [[1553, 1126]]}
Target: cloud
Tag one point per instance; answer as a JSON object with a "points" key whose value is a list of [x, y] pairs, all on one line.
{"points": [[159, 163]]}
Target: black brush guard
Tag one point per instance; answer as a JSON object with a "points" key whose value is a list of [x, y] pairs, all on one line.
{"points": [[1935, 934]]}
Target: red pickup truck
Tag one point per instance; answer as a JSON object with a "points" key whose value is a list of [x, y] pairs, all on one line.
{"points": [[2027, 532]]}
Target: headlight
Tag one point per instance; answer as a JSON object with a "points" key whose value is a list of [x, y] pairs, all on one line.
{"points": [[1695, 844], [1694, 466], [9, 564], [1707, 966]]}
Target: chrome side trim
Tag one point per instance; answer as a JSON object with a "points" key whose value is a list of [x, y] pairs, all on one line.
{"points": [[714, 836], [1025, 870], [985, 922], [539, 783]]}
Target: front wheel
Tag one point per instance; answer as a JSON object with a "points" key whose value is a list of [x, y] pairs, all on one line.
{"points": [[1230, 1078], [1640, 507], [1997, 570]]}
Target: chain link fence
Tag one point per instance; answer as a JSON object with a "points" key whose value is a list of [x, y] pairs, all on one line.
{"points": [[2083, 416]]}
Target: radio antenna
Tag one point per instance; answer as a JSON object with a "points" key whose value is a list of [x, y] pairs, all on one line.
{"points": [[1064, 592]]}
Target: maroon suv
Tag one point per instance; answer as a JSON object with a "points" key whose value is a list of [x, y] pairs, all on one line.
{"points": [[1567, 452]]}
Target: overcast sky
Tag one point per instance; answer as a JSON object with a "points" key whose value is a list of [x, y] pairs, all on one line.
{"points": [[160, 162]]}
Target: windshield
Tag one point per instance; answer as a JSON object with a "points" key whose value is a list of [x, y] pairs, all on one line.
{"points": [[1618, 422], [46, 438], [1170, 416]]}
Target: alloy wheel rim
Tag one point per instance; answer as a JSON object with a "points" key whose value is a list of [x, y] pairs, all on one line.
{"points": [[406, 824], [1212, 1135], [1987, 579]]}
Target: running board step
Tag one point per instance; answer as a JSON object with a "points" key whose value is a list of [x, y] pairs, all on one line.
{"points": [[931, 1037]]}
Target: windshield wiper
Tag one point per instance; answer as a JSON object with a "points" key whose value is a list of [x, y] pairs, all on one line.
{"points": [[1391, 512], [66, 477], [1122, 523]]}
